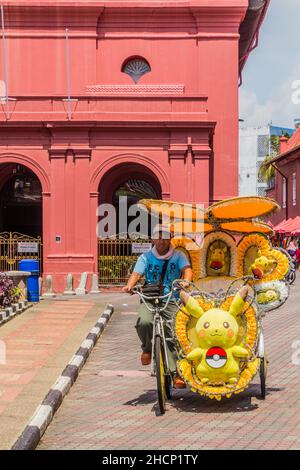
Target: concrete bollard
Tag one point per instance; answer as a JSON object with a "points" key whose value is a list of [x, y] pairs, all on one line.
{"points": [[49, 287], [95, 285], [69, 288], [41, 288], [81, 289]]}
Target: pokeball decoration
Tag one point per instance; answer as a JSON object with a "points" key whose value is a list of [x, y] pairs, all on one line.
{"points": [[216, 357]]}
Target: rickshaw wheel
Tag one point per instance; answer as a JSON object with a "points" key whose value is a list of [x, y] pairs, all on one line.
{"points": [[292, 277], [160, 375], [168, 381], [263, 376]]}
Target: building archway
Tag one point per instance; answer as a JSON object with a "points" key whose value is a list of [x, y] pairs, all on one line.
{"points": [[133, 182], [128, 161], [20, 216], [124, 183], [20, 200]]}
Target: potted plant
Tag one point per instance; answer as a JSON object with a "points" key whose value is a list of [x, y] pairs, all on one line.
{"points": [[9, 294]]}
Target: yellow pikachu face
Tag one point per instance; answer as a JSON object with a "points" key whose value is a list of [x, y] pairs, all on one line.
{"points": [[217, 328]]}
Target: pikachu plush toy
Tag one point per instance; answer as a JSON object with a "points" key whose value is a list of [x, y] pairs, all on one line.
{"points": [[219, 352], [262, 266]]}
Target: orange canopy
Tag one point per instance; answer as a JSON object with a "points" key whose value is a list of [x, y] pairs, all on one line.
{"points": [[242, 226], [174, 210], [243, 208], [237, 215]]}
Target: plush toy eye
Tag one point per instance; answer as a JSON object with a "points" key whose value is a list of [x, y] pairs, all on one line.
{"points": [[206, 325], [225, 324]]}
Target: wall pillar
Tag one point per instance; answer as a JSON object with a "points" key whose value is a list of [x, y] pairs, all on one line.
{"points": [[178, 176], [201, 175], [84, 222], [68, 249], [82, 159], [190, 158], [46, 217], [94, 201]]}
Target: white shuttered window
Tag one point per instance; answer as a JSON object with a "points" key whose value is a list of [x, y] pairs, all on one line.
{"points": [[294, 189]]}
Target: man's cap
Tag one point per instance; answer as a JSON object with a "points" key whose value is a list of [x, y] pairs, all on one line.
{"points": [[163, 230]]}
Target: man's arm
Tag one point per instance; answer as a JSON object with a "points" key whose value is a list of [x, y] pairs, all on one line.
{"points": [[138, 272], [132, 281], [187, 274]]}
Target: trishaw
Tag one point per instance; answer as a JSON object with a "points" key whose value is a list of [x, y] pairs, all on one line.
{"points": [[235, 251]]}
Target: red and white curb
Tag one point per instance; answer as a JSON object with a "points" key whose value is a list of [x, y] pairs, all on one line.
{"points": [[15, 309], [43, 415]]}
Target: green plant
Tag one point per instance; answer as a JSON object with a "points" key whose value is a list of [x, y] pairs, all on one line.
{"points": [[17, 294], [267, 171]]}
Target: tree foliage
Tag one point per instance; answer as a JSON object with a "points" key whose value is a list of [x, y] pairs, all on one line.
{"points": [[267, 171]]}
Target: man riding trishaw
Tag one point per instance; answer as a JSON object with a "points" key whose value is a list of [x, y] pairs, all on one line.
{"points": [[160, 266], [211, 337]]}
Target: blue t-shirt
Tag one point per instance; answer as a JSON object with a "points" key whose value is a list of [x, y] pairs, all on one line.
{"points": [[149, 266]]}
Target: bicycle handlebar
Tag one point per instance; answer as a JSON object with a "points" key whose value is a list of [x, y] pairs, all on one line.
{"points": [[145, 298], [138, 290], [176, 285]]}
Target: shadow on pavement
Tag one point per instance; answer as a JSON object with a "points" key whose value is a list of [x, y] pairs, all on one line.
{"points": [[147, 397], [269, 391], [198, 404], [189, 402]]}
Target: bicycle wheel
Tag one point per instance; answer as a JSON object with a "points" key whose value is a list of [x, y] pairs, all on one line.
{"points": [[292, 277], [263, 376], [160, 375], [168, 381]]}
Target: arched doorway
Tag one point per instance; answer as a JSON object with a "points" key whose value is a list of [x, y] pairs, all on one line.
{"points": [[20, 215], [20, 200], [122, 187]]}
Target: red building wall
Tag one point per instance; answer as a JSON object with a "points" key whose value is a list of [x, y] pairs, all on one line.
{"points": [[291, 211], [178, 125]]}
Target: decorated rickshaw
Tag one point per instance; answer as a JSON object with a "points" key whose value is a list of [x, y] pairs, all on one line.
{"points": [[235, 251]]}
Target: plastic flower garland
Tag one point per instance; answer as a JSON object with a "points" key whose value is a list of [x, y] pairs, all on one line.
{"points": [[261, 242]]}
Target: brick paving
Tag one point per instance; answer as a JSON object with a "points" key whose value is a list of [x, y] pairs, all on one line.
{"points": [[39, 343], [112, 405], [29, 347]]}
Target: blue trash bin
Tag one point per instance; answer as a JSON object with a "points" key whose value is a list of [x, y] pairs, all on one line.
{"points": [[31, 265]]}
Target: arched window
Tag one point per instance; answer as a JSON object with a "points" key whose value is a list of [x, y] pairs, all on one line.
{"points": [[136, 67]]}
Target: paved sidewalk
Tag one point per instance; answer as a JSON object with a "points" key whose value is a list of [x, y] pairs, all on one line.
{"points": [[39, 343], [111, 406]]}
